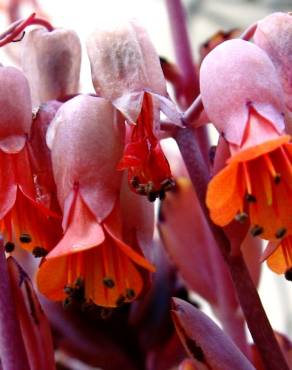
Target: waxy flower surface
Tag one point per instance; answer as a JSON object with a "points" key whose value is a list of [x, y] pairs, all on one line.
{"points": [[126, 70], [86, 138], [256, 181], [24, 219]]}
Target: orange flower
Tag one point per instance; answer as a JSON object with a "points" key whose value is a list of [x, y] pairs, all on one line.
{"points": [[24, 219], [92, 262], [257, 180], [148, 170]]}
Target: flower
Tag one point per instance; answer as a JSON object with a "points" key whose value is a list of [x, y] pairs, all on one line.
{"points": [[91, 261], [256, 181], [24, 219], [126, 70]]}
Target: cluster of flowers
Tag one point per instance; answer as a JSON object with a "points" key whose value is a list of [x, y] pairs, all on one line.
{"points": [[64, 193]]}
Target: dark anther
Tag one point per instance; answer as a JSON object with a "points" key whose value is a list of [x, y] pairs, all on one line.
{"points": [[212, 153], [280, 232], [25, 238], [67, 302], [120, 301], [256, 230], [39, 252], [241, 217], [9, 247], [79, 283], [141, 190], [250, 198], [68, 290], [106, 313], [288, 274], [151, 196], [162, 194], [135, 182], [108, 282], [130, 293], [163, 60], [277, 178]]}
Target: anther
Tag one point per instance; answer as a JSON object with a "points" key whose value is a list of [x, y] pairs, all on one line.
{"points": [[68, 290], [120, 301], [277, 178], [152, 196], [130, 293], [280, 232], [67, 302], [39, 252], [108, 282], [135, 182], [288, 274], [162, 194], [9, 247], [79, 283], [241, 217], [25, 238], [250, 198], [256, 230]]}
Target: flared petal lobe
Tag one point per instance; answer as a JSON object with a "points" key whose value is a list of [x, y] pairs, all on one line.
{"points": [[242, 75]]}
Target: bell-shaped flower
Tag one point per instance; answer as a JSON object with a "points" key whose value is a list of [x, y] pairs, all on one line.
{"points": [[242, 96], [126, 70], [24, 218], [274, 35], [51, 62], [92, 260]]}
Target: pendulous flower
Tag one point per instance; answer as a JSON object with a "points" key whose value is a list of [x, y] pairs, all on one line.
{"points": [[126, 70], [257, 179], [24, 218], [92, 260]]}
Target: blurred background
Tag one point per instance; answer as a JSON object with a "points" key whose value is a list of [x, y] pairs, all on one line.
{"points": [[204, 17]]}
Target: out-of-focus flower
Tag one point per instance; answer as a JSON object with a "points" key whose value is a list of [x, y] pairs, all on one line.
{"points": [[51, 62], [24, 219], [257, 180], [92, 261], [126, 70]]}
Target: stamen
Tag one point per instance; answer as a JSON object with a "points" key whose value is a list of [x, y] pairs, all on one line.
{"points": [[9, 247], [277, 178], [25, 238], [162, 194], [250, 198], [108, 282], [288, 274], [256, 230], [152, 196], [167, 184], [135, 182], [280, 232], [67, 302], [39, 252], [241, 217], [247, 178], [130, 293]]}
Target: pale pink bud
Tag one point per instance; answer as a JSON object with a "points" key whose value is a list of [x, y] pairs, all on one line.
{"points": [[15, 112], [51, 62], [235, 76], [274, 35], [124, 64]]}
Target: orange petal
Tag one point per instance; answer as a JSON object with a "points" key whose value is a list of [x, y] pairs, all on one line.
{"points": [[83, 232], [225, 195], [280, 259]]}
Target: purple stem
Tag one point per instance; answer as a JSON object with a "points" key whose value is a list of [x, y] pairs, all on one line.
{"points": [[251, 305], [12, 350]]}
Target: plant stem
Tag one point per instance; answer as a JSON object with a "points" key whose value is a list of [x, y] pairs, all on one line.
{"points": [[12, 351], [251, 305]]}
